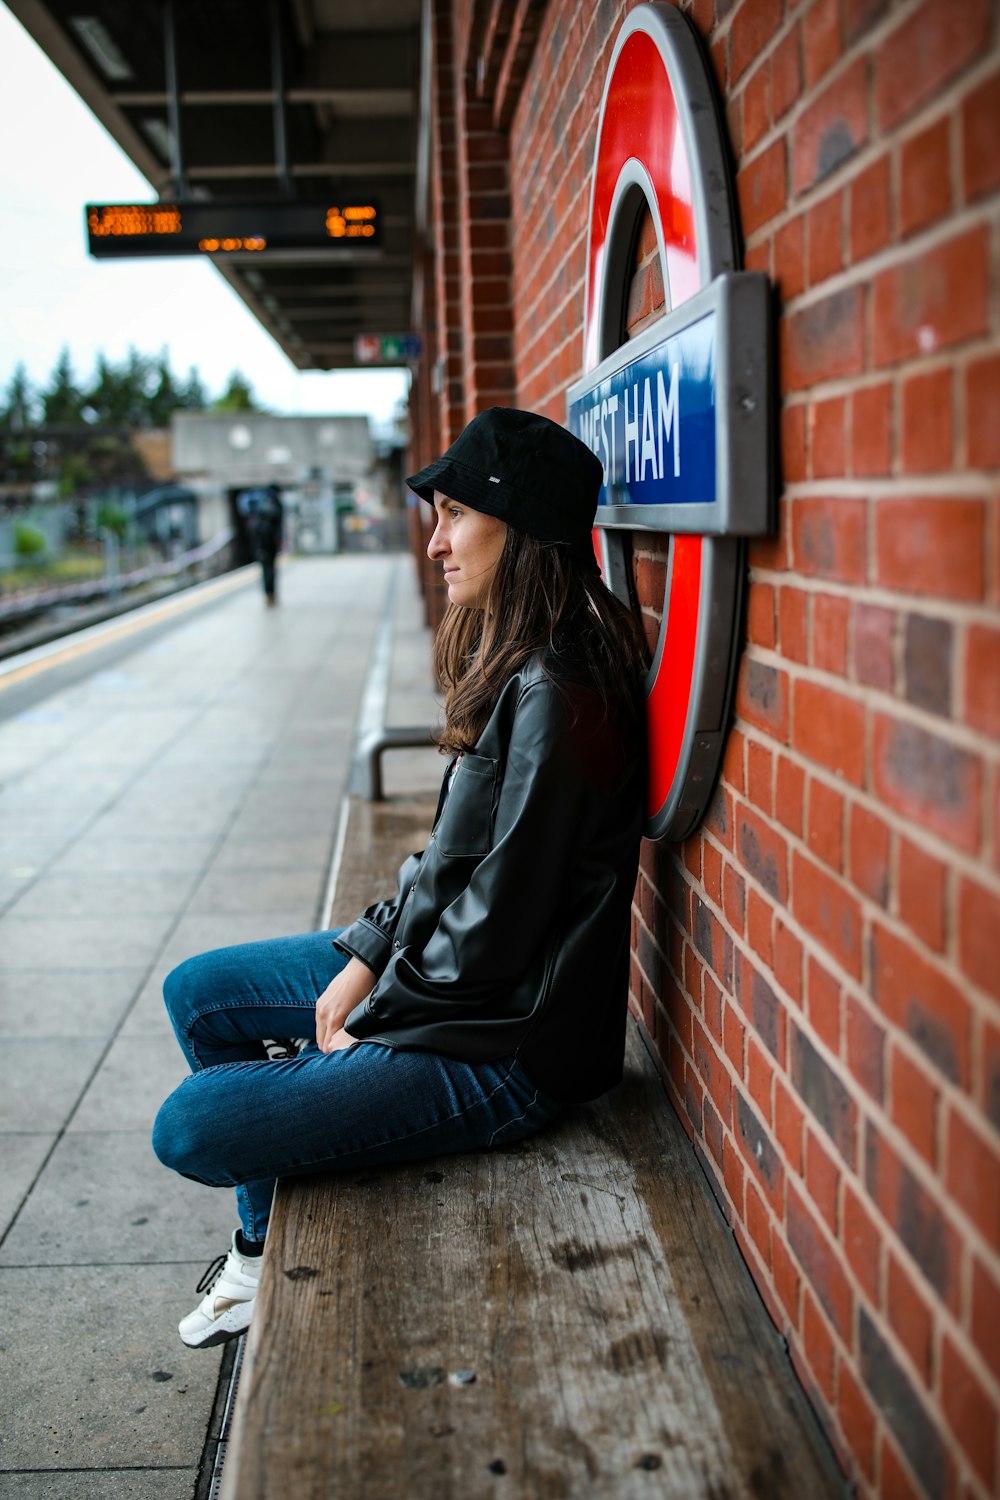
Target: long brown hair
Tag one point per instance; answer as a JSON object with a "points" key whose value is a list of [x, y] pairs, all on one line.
{"points": [[541, 600]]}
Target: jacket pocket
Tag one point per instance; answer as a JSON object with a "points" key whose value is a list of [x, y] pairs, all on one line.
{"points": [[466, 823]]}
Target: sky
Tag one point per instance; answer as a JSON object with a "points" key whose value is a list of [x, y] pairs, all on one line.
{"points": [[55, 158]]}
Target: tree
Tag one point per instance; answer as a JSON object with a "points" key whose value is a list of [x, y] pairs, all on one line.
{"points": [[19, 404], [192, 392], [62, 400], [238, 395]]}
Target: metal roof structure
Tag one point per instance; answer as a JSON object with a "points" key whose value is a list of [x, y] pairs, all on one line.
{"points": [[266, 99]]}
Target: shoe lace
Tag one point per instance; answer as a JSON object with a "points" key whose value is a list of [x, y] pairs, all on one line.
{"points": [[212, 1274]]}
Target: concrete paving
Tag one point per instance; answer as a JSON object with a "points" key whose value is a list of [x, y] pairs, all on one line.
{"points": [[160, 794]]}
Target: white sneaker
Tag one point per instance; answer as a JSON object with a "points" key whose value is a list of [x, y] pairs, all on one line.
{"points": [[230, 1287]]}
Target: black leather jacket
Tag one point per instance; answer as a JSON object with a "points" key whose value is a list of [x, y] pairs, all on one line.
{"points": [[510, 932]]}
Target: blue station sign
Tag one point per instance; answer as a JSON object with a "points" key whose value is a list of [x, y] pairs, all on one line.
{"points": [[678, 417]]}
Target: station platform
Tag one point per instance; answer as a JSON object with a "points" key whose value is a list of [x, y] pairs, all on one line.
{"points": [[170, 782]]}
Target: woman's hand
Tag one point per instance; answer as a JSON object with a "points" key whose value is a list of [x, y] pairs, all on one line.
{"points": [[352, 985]]}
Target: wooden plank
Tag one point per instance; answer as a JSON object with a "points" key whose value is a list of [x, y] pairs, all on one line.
{"points": [[379, 837], [569, 1317]]}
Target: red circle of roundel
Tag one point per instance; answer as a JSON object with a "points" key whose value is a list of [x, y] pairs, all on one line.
{"points": [[640, 122]]}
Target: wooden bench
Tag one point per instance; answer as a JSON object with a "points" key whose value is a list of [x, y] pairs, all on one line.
{"points": [[569, 1317]]}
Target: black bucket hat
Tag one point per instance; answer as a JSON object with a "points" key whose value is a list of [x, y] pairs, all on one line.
{"points": [[527, 471]]}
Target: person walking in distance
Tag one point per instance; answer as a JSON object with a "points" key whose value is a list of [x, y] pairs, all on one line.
{"points": [[263, 513], [489, 993]]}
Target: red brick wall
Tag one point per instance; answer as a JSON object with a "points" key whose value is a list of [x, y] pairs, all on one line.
{"points": [[819, 966]]}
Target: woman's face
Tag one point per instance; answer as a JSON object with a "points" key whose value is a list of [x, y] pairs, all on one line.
{"points": [[468, 543]]}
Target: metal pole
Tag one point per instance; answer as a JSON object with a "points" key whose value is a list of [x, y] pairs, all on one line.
{"points": [[177, 171], [278, 88]]}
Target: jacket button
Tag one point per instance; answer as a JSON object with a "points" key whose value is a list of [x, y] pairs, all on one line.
{"points": [[396, 944]]}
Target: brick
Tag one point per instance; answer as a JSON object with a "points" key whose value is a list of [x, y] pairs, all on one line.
{"points": [[760, 187], [734, 1175], [871, 430], [917, 997], [826, 231], [818, 1346], [982, 680], [980, 132], [982, 401], [991, 1073], [928, 649], [829, 910], [865, 1048], [734, 1037], [827, 431], [927, 443], [823, 1094], [868, 844], [931, 546], [759, 1223], [734, 898], [787, 1281], [923, 52], [978, 926], [919, 1220], [786, 73], [857, 1420], [986, 1315], [859, 15], [973, 1175], [760, 1078], [760, 916], [763, 1009], [829, 729], [825, 825], [971, 1413], [825, 340], [788, 1124], [756, 108], [832, 127], [822, 1178], [928, 779], [762, 697], [753, 28], [793, 444], [823, 1003], [712, 873], [755, 1143], [820, 1263], [932, 300], [869, 209], [895, 1396], [925, 177], [910, 1318], [914, 1103], [760, 776], [874, 650], [787, 961], [828, 538], [761, 620], [790, 258], [789, 794], [862, 1241], [763, 852], [793, 624], [822, 40], [830, 624]]}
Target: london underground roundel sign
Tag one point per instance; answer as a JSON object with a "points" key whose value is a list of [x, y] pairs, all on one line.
{"points": [[681, 415]]}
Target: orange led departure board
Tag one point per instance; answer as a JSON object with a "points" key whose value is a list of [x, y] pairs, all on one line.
{"points": [[223, 228]]}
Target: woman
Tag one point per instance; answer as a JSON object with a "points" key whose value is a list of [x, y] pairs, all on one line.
{"points": [[491, 992]]}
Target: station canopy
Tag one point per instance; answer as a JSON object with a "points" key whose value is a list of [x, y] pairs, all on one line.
{"points": [[307, 106]]}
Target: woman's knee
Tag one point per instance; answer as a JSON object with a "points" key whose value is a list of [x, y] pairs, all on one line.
{"points": [[183, 990], [179, 1139]]}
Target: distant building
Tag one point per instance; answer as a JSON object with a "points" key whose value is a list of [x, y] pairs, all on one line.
{"points": [[325, 468]]}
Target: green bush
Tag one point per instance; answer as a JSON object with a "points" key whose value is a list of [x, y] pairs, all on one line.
{"points": [[29, 542], [112, 518]]}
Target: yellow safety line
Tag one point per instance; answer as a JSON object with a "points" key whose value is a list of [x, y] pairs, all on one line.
{"points": [[96, 635]]}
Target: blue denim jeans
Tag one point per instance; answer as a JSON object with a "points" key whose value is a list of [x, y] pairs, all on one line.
{"points": [[242, 1120]]}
